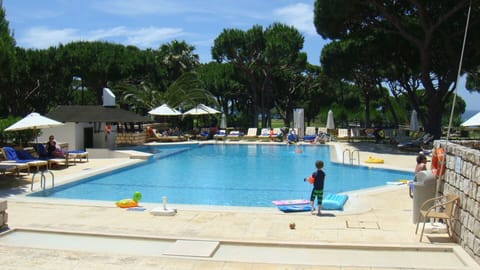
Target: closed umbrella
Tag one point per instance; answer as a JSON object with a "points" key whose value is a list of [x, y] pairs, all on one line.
{"points": [[223, 121], [413, 121], [330, 122]]}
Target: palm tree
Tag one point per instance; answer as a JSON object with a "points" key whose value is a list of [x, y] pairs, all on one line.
{"points": [[184, 92], [178, 56]]}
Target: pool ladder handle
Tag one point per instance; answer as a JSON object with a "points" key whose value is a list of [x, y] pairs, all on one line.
{"points": [[350, 156], [43, 179]]}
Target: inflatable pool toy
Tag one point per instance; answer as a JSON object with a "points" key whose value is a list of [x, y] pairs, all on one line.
{"points": [[295, 208], [128, 203], [438, 161], [398, 182], [330, 201], [290, 202], [374, 160], [394, 183], [163, 211], [333, 201]]}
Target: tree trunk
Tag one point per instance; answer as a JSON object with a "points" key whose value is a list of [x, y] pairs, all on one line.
{"points": [[434, 123]]}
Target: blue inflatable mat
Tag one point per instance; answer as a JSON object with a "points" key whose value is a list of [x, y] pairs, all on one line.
{"points": [[334, 201], [295, 208]]}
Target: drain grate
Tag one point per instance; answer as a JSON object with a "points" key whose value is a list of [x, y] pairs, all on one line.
{"points": [[360, 224]]}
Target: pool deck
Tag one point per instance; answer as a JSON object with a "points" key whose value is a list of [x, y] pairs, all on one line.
{"points": [[380, 217]]}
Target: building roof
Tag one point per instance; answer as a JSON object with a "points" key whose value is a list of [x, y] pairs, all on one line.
{"points": [[94, 113]]}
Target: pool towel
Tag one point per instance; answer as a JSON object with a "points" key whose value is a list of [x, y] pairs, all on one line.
{"points": [[334, 201]]}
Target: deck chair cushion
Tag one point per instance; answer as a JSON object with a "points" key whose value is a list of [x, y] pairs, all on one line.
{"points": [[41, 150], [10, 153], [23, 154]]}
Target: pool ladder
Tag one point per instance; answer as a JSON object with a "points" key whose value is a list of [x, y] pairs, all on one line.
{"points": [[351, 157], [43, 179]]}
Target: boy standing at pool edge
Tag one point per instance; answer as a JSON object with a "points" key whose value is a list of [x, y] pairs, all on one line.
{"points": [[317, 190]]}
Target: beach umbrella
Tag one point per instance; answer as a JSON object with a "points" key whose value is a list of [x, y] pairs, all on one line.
{"points": [[164, 110], [473, 121], [33, 121], [413, 121], [196, 111], [223, 121], [201, 109], [330, 122], [208, 109]]}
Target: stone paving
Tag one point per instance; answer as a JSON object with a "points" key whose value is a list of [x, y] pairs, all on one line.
{"points": [[380, 216]]}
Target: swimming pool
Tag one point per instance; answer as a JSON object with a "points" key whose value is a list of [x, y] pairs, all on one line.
{"points": [[231, 175]]}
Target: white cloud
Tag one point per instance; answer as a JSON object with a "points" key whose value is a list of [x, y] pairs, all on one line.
{"points": [[128, 7], [152, 36], [299, 15], [42, 37]]}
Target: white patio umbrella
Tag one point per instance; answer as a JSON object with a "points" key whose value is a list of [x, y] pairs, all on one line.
{"points": [[201, 109], [208, 109], [33, 121], [164, 110], [196, 111], [473, 121], [413, 121], [330, 122]]}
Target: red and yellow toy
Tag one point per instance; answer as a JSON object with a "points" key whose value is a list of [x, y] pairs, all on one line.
{"points": [[128, 203]]}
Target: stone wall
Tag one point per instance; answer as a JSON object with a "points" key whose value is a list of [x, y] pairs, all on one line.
{"points": [[130, 138], [462, 177], [3, 214]]}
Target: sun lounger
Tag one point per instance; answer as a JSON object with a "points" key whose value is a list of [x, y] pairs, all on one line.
{"points": [[417, 144], [51, 160], [22, 158], [264, 134], [343, 134], [77, 155], [220, 135], [159, 137], [13, 167], [310, 134], [251, 134], [204, 134], [235, 135], [310, 131]]}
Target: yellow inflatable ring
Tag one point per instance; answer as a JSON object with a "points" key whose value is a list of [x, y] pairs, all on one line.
{"points": [[126, 203], [374, 160]]}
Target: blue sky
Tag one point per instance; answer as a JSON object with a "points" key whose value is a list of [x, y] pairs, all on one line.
{"points": [[151, 23]]}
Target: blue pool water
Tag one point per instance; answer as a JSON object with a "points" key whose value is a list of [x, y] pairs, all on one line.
{"points": [[236, 175]]}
